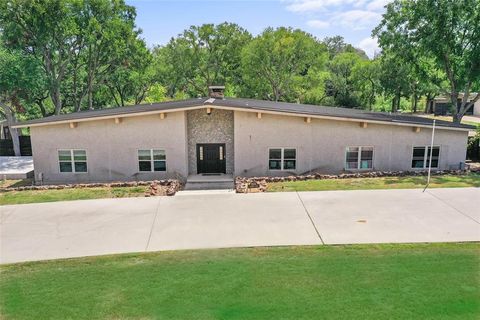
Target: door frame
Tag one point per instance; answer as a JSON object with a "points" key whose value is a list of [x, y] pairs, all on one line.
{"points": [[222, 163]]}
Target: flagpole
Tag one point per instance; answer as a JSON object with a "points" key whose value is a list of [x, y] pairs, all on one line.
{"points": [[431, 156]]}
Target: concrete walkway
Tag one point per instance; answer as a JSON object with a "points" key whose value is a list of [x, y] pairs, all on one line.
{"points": [[225, 219]]}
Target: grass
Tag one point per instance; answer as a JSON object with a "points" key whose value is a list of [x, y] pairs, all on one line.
{"points": [[410, 182], [34, 196], [435, 281]]}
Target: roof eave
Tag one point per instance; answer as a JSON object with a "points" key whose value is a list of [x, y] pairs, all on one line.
{"points": [[245, 109]]}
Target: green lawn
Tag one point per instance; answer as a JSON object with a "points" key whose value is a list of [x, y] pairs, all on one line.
{"points": [[471, 180], [33, 196], [434, 281]]}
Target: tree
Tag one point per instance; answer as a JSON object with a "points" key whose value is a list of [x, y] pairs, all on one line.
{"points": [[366, 81], [20, 78], [394, 78], [447, 31], [205, 55], [341, 82], [273, 62], [133, 77], [77, 42], [336, 45]]}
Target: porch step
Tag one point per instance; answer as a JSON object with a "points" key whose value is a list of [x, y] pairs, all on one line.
{"points": [[199, 182]]}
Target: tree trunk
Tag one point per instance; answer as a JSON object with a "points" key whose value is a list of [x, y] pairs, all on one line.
{"points": [[415, 103], [57, 99], [13, 131], [428, 104], [457, 117]]}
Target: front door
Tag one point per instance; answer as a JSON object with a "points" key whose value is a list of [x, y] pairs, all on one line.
{"points": [[211, 158]]}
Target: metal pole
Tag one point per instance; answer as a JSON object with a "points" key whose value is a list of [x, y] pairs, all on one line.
{"points": [[431, 156]]}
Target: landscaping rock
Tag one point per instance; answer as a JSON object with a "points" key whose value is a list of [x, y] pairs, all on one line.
{"points": [[259, 184], [155, 188]]}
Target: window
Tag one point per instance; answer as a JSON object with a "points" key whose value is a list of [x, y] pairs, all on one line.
{"points": [[72, 160], [421, 157], [282, 159], [152, 160], [359, 158]]}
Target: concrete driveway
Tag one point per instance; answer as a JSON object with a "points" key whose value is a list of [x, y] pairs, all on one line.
{"points": [[216, 220]]}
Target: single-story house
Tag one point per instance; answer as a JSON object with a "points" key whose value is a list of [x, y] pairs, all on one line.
{"points": [[442, 105], [242, 137]]}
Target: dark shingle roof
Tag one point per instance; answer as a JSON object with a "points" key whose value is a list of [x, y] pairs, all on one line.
{"points": [[249, 104]]}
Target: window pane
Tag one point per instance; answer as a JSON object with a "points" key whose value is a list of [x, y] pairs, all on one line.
{"points": [[275, 154], [417, 163], [289, 164], [80, 167], [159, 165], [158, 154], [64, 155], [352, 155], [65, 167], [79, 155], [145, 165], [436, 151], [419, 152], [367, 153], [352, 165], [434, 163], [289, 153], [366, 164], [275, 165], [144, 155]]}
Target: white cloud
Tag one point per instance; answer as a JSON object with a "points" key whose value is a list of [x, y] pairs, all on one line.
{"points": [[318, 5], [357, 19], [370, 46], [309, 6], [377, 5], [318, 24]]}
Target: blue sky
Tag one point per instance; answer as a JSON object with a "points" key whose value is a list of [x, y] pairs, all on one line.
{"points": [[353, 19]]}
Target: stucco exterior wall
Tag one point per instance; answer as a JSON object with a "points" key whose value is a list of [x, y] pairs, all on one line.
{"points": [[321, 144], [112, 148], [476, 108], [218, 127]]}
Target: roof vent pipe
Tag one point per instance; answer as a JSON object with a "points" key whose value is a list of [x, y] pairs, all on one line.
{"points": [[217, 92]]}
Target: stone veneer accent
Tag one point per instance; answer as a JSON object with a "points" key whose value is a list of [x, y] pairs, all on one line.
{"points": [[214, 128]]}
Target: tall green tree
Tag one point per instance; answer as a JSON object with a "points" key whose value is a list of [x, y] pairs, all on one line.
{"points": [[394, 78], [447, 31], [336, 45], [341, 82], [130, 80], [205, 55], [274, 62], [78, 42], [366, 81], [20, 78]]}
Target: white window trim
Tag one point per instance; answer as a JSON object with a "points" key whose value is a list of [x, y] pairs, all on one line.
{"points": [[72, 161], [359, 159], [151, 160], [282, 158], [425, 157]]}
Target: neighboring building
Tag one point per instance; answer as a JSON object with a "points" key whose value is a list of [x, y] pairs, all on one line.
{"points": [[442, 105], [235, 136], [6, 143]]}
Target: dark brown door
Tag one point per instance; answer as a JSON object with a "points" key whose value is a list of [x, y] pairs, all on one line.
{"points": [[211, 158]]}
